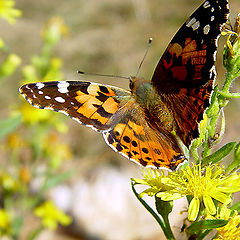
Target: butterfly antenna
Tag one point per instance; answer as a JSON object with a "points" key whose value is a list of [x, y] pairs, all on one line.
{"points": [[101, 75], [149, 44]]}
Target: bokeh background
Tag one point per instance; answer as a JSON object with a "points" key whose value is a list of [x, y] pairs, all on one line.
{"points": [[48, 156]]}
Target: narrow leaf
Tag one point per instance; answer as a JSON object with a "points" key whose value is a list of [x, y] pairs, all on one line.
{"points": [[9, 125], [219, 154], [236, 207], [55, 180], [235, 164], [207, 224]]}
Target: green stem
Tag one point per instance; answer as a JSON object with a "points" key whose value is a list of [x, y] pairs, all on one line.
{"points": [[35, 233], [225, 90], [164, 223], [229, 95]]}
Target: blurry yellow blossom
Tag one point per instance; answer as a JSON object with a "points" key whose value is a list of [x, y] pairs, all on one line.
{"points": [[231, 231], [54, 29], [56, 150], [5, 222], [51, 215], [25, 175], [29, 74], [9, 65], [7, 182], [33, 115], [54, 70], [203, 185], [14, 141], [1, 43], [8, 12]]}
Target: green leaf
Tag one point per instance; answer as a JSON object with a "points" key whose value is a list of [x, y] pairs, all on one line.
{"points": [[235, 164], [9, 125], [55, 180], [219, 154], [236, 207], [16, 226], [207, 224]]}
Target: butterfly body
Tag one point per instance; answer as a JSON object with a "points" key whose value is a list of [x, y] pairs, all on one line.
{"points": [[155, 111], [149, 123]]}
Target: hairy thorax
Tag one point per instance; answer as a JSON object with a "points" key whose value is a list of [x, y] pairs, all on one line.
{"points": [[152, 103]]}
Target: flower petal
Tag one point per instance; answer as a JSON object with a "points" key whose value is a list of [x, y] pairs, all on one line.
{"points": [[221, 197], [168, 196], [193, 209], [209, 204]]}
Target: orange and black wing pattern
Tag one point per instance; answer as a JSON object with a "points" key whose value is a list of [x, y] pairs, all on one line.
{"points": [[134, 138], [112, 111], [90, 104]]}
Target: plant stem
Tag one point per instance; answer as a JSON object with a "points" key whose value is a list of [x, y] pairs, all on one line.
{"points": [[164, 223]]}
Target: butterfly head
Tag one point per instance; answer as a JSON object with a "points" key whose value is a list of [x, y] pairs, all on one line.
{"points": [[135, 83]]}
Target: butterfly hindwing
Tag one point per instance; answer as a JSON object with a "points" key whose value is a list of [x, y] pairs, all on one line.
{"points": [[89, 103], [135, 139]]}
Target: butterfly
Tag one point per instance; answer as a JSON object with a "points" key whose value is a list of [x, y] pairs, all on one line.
{"points": [[149, 123]]}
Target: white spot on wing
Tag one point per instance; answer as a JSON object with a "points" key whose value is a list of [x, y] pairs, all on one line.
{"points": [[59, 99], [40, 92], [62, 86], [212, 18], [40, 85], [47, 97], [191, 22], [206, 4], [206, 29], [212, 9], [196, 25]]}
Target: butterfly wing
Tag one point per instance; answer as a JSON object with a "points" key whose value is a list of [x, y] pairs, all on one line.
{"points": [[112, 111], [88, 103], [134, 138], [185, 73]]}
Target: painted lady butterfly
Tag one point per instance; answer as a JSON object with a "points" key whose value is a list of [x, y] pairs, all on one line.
{"points": [[146, 123]]}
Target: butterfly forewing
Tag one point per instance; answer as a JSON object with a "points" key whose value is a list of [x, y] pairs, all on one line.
{"points": [[189, 59], [185, 74], [90, 104]]}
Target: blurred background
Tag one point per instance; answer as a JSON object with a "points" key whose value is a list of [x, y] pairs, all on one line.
{"points": [[52, 169]]}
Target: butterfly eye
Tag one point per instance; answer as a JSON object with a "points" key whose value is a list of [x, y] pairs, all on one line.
{"points": [[131, 84]]}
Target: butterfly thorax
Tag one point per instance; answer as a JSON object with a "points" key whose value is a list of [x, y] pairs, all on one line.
{"points": [[152, 103]]}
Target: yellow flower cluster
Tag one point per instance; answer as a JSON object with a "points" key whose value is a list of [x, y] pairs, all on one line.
{"points": [[51, 215], [203, 185], [8, 12]]}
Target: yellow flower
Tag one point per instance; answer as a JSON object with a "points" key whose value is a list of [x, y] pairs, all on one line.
{"points": [[203, 185], [231, 231], [8, 183], [153, 179], [33, 115], [54, 29], [4, 222], [56, 150], [51, 215], [8, 12]]}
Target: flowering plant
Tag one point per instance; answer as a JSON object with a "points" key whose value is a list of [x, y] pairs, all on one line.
{"points": [[207, 186]]}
